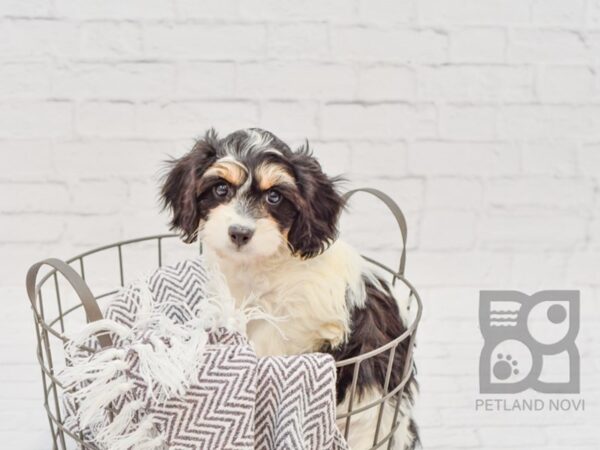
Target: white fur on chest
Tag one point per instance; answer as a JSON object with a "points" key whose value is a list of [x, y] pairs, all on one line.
{"points": [[310, 298]]}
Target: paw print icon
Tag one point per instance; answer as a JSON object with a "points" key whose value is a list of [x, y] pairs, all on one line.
{"points": [[505, 367], [529, 342]]}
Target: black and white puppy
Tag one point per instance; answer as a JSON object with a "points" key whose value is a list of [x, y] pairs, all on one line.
{"points": [[267, 216]]}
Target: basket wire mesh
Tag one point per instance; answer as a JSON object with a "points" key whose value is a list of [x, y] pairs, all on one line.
{"points": [[51, 326]]}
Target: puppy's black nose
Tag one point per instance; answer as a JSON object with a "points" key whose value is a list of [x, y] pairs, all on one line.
{"points": [[240, 235]]}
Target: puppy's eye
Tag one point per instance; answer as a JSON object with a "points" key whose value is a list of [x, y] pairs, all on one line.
{"points": [[273, 197], [221, 190]]}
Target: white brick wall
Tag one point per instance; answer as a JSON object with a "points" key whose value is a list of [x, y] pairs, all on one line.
{"points": [[482, 118]]}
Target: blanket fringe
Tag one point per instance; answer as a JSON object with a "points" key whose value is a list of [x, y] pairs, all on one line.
{"points": [[167, 354]]}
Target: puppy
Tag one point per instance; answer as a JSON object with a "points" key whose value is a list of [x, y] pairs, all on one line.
{"points": [[267, 216]]}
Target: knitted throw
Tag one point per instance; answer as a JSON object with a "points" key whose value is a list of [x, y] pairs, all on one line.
{"points": [[182, 375]]}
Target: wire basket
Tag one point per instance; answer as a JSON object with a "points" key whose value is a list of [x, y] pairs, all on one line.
{"points": [[66, 303]]}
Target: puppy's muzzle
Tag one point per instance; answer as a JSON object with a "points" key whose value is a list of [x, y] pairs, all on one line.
{"points": [[240, 235]]}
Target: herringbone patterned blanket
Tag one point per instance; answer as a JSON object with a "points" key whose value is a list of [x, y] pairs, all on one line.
{"points": [[181, 375]]}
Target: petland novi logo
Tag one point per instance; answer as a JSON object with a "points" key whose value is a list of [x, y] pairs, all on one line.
{"points": [[529, 343]]}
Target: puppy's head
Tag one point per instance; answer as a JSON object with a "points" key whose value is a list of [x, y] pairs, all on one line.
{"points": [[248, 196]]}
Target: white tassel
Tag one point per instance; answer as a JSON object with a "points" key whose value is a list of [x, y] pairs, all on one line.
{"points": [[120, 423], [87, 371], [144, 437], [100, 326], [92, 405]]}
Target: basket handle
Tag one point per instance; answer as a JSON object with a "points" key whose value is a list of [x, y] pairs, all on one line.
{"points": [[92, 310], [395, 210]]}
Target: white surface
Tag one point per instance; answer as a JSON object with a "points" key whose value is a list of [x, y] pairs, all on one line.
{"points": [[481, 118]]}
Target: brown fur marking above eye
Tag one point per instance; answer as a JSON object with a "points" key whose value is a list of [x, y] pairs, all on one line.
{"points": [[232, 171], [272, 174]]}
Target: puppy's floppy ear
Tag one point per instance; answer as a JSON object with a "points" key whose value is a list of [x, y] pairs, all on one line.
{"points": [[319, 206], [179, 191]]}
